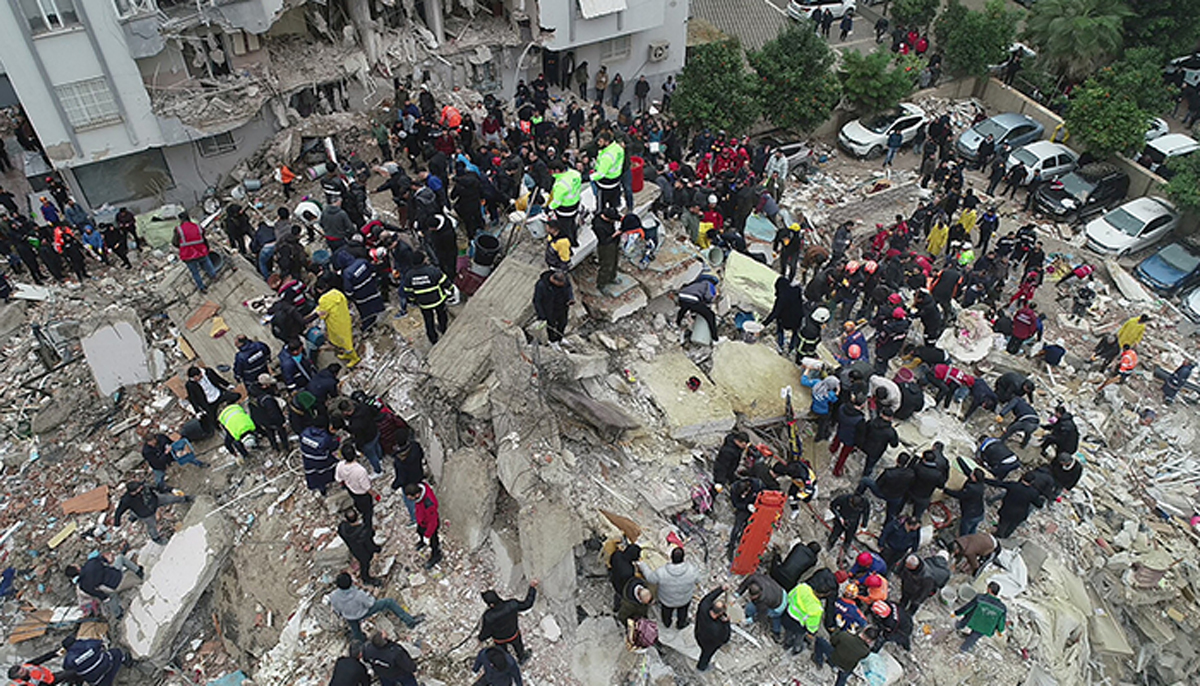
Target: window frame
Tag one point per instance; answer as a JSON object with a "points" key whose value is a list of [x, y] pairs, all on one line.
{"points": [[608, 56], [218, 143], [79, 101], [58, 7]]}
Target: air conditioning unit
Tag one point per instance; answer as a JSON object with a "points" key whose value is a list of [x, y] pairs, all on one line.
{"points": [[660, 51]]}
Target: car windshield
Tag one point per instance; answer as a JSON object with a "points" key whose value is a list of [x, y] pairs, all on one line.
{"points": [[881, 122], [1180, 258], [987, 126], [1076, 186], [1123, 221], [1026, 157]]}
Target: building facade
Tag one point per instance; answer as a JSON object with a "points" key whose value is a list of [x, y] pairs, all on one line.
{"points": [[146, 102]]}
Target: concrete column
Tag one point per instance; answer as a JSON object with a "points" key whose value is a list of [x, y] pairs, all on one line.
{"points": [[433, 12]]}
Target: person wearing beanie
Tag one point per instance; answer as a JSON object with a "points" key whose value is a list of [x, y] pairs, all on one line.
{"points": [[500, 623]]}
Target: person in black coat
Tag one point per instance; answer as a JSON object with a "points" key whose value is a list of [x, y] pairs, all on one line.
{"points": [[552, 300], [1063, 435], [970, 500], [787, 312], [500, 620], [898, 538], [1013, 384], [392, 664], [1019, 499], [983, 396], [409, 463], [1066, 470], [207, 391], [742, 494], [729, 458], [267, 411], [359, 538], [467, 195], [801, 558], [622, 568], [712, 626], [349, 670], [929, 474], [892, 485], [874, 438], [850, 512]]}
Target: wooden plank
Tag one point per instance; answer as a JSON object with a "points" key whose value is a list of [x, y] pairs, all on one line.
{"points": [[202, 314], [92, 630], [61, 536], [33, 625], [95, 500]]}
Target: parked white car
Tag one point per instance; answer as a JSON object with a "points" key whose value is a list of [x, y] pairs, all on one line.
{"points": [[1134, 226], [1051, 159], [1158, 129], [1162, 149], [868, 137], [801, 10]]}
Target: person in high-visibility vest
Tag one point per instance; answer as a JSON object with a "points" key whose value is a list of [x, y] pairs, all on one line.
{"points": [[237, 425], [32, 673], [565, 196], [193, 250], [607, 170], [428, 287], [802, 617]]}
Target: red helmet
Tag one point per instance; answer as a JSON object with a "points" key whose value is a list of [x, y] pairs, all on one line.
{"points": [[870, 266], [895, 299], [851, 266], [899, 313], [873, 581], [864, 559], [854, 351]]}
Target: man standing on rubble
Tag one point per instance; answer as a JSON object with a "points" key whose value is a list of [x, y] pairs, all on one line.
{"points": [[712, 626], [500, 621], [357, 482], [316, 453], [676, 582], [355, 605], [253, 358], [1019, 500], [144, 503], [428, 287], [552, 299], [359, 538], [104, 576], [207, 392], [428, 520], [392, 664], [339, 229], [193, 250]]}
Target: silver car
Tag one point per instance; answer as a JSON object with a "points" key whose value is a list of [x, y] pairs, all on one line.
{"points": [[1051, 159], [1010, 127]]}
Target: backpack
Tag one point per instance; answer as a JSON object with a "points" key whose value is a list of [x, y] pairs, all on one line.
{"points": [[642, 633], [938, 570]]}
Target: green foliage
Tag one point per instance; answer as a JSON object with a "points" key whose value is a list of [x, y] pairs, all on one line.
{"points": [[872, 83], [971, 41], [1183, 188], [795, 84], [909, 13], [1076, 37], [1106, 122], [1171, 26], [715, 91], [1138, 76]]}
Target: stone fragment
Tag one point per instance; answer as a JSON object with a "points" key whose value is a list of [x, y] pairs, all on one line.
{"points": [[468, 494]]}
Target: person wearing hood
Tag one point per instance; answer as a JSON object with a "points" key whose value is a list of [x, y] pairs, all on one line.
{"points": [[498, 668], [1066, 470], [317, 447], [1062, 434], [787, 313], [552, 300], [334, 308], [676, 583], [238, 229], [360, 282], [849, 416], [824, 399], [428, 520], [500, 621]]}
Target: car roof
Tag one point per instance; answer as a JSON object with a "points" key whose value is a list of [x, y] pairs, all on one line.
{"points": [[1147, 207], [909, 108], [1174, 144], [1011, 119], [1044, 149]]}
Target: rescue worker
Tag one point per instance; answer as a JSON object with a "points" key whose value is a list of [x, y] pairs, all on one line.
{"points": [[428, 287], [890, 339], [89, 659], [236, 425], [802, 618], [565, 196], [810, 332], [360, 282], [252, 360], [606, 172], [193, 250], [317, 448]]}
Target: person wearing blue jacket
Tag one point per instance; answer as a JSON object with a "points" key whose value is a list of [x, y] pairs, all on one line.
{"points": [[90, 660], [361, 284], [824, 397], [317, 447], [252, 359], [297, 368]]}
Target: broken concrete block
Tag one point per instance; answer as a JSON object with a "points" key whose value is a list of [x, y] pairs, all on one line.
{"points": [[606, 418], [468, 492], [675, 265], [597, 641], [549, 531], [333, 555], [702, 414], [506, 551], [753, 375], [550, 628], [173, 586], [615, 301], [115, 347], [52, 416], [12, 318], [749, 284], [586, 366], [666, 498]]}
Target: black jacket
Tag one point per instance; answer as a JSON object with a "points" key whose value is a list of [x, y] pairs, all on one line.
{"points": [[1019, 499], [895, 482], [729, 457], [157, 455], [96, 573], [359, 538], [195, 394], [927, 478], [1063, 434], [348, 671], [266, 410], [788, 308], [621, 566], [142, 504], [970, 499], [711, 633], [912, 400], [1008, 386], [391, 661], [500, 620], [875, 436], [844, 510], [799, 560], [551, 302]]}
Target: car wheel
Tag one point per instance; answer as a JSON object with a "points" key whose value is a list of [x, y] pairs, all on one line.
{"points": [[875, 152]]}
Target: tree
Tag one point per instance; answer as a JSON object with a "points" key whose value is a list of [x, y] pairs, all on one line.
{"points": [[796, 87], [715, 91], [1076, 37], [871, 83], [914, 13], [1105, 121], [1183, 188], [972, 41], [1138, 76], [1169, 25]]}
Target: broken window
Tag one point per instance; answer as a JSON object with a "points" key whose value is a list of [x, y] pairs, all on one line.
{"points": [[615, 49], [131, 177], [88, 103], [49, 15], [483, 77], [244, 42], [216, 145], [134, 8], [205, 56]]}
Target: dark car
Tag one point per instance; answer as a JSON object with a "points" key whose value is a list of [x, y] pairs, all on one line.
{"points": [[1171, 269], [801, 158], [1083, 193]]}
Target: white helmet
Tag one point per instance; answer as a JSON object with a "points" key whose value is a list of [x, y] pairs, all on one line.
{"points": [[820, 315], [249, 441], [712, 200]]}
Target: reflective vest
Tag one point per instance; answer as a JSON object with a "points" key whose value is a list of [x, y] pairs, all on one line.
{"points": [[568, 187], [805, 607], [426, 285], [191, 242], [38, 676], [610, 162], [451, 118], [236, 421]]}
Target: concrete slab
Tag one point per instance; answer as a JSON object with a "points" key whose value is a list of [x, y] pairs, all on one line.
{"points": [[705, 413], [593, 661], [115, 347], [749, 284], [752, 375], [676, 264], [615, 301], [506, 552], [468, 496], [231, 289], [459, 361], [12, 318], [173, 586], [549, 531]]}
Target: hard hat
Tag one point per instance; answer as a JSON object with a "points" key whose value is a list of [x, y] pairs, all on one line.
{"points": [[794, 227], [870, 266], [249, 441], [881, 608], [854, 351], [820, 315], [899, 313], [864, 559], [378, 254], [849, 327], [873, 581], [895, 299], [712, 200], [851, 266]]}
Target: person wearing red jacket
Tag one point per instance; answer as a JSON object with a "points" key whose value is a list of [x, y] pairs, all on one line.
{"points": [[193, 250], [427, 520], [1025, 326]]}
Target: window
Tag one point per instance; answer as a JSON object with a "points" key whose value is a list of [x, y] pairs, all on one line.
{"points": [[134, 8], [615, 50], [216, 145], [131, 177], [49, 15], [88, 103]]}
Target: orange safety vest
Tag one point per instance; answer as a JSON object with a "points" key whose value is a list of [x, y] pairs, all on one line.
{"points": [[286, 175], [38, 676], [451, 118], [1129, 360], [192, 245]]}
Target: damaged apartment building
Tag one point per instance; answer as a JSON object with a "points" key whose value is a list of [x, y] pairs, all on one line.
{"points": [[146, 102]]}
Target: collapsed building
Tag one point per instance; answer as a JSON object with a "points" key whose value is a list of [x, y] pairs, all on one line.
{"points": [[147, 102]]}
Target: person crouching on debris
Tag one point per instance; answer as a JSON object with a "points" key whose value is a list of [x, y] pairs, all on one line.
{"points": [[238, 430], [334, 309], [207, 391], [88, 659], [698, 297], [144, 503], [267, 411], [32, 673], [552, 300], [354, 605], [104, 576], [500, 624], [428, 520]]}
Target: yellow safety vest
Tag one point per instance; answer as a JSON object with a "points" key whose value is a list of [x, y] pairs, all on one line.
{"points": [[568, 187], [610, 161], [236, 421]]}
